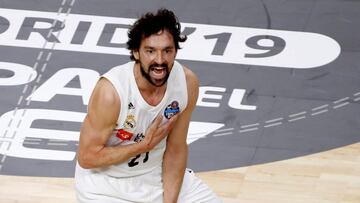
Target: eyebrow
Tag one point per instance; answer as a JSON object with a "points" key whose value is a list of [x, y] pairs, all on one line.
{"points": [[150, 47]]}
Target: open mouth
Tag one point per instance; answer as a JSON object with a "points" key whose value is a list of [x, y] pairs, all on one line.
{"points": [[158, 72]]}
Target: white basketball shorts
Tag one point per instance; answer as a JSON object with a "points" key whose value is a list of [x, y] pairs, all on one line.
{"points": [[93, 187]]}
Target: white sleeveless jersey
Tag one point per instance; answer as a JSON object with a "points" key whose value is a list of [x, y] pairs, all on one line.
{"points": [[136, 115]]}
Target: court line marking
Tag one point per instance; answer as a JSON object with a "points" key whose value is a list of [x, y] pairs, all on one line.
{"points": [[273, 124], [31, 143], [341, 105], [319, 112], [320, 107], [222, 134], [33, 139], [274, 120], [223, 130], [21, 98], [248, 130], [341, 100], [57, 144], [250, 125], [297, 116]]}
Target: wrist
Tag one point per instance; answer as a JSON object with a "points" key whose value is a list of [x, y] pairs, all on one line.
{"points": [[169, 200]]}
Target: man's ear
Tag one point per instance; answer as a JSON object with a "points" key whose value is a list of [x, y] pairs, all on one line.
{"points": [[136, 54]]}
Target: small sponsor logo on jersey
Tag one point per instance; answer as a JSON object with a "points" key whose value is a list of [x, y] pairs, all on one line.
{"points": [[139, 137], [124, 135], [172, 109], [131, 106]]}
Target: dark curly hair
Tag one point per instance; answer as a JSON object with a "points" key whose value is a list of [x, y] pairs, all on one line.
{"points": [[151, 23]]}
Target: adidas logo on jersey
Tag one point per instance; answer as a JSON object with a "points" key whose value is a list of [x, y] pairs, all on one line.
{"points": [[131, 106]]}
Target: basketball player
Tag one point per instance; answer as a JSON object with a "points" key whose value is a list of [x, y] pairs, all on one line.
{"points": [[133, 140]]}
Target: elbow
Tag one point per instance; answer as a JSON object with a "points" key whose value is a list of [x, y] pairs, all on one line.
{"points": [[84, 164], [85, 161]]}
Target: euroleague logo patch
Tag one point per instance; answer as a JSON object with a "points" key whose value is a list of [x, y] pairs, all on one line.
{"points": [[171, 109]]}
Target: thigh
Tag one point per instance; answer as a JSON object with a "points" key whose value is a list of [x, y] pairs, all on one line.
{"points": [[99, 188], [96, 188], [98, 198], [194, 190]]}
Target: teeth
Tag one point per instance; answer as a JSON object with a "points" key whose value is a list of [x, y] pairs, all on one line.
{"points": [[158, 72]]}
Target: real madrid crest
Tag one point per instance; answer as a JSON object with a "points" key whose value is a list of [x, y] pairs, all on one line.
{"points": [[130, 122], [126, 132], [172, 109]]}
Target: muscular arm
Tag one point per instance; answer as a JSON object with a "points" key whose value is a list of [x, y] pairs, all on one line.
{"points": [[175, 157], [103, 112]]}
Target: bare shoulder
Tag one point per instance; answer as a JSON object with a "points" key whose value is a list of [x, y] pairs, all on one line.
{"points": [[192, 87], [104, 94], [191, 78], [104, 104]]}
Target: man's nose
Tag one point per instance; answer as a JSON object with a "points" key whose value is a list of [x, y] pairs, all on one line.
{"points": [[159, 59]]}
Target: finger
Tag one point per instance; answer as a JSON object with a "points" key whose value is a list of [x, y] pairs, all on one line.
{"points": [[171, 122], [166, 127], [148, 138], [173, 119], [154, 125], [157, 121], [152, 129]]}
